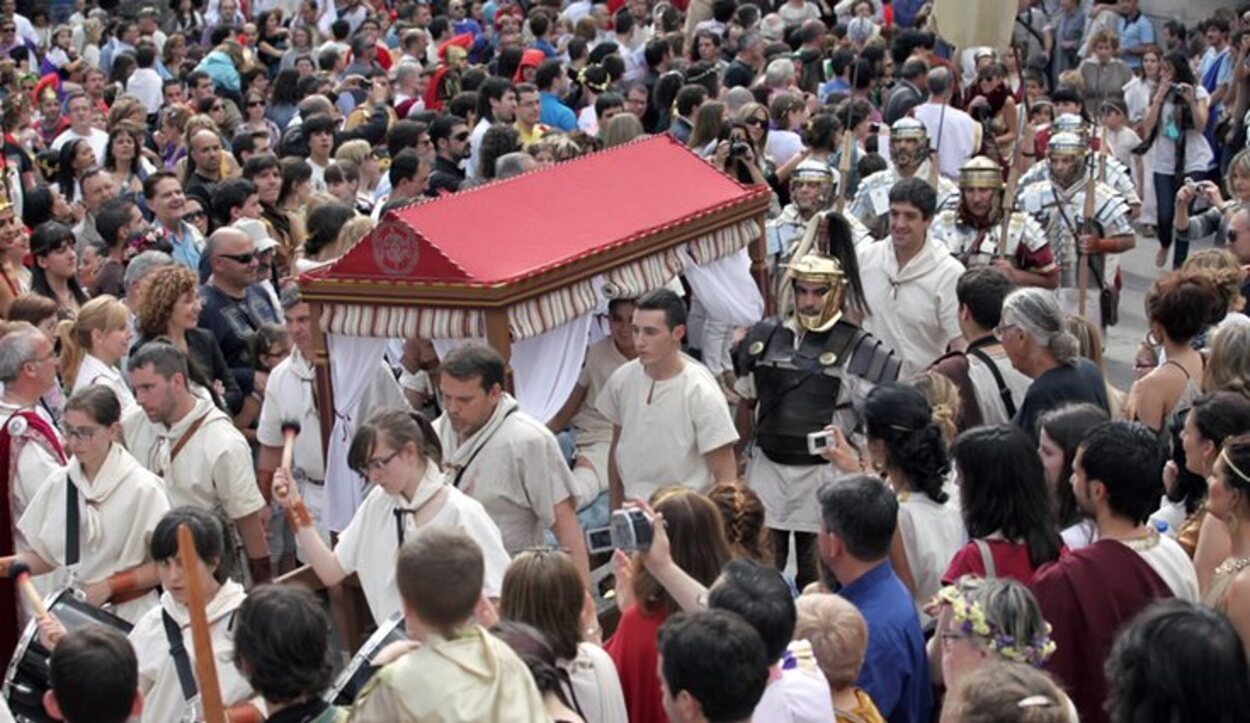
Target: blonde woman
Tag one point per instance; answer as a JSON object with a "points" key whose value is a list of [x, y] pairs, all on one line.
{"points": [[93, 345]]}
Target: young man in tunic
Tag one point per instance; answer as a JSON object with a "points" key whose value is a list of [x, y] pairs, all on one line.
{"points": [[1088, 595], [504, 458], [195, 447], [670, 423]]}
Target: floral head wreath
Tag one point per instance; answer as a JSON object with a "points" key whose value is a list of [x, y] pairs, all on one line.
{"points": [[971, 620]]}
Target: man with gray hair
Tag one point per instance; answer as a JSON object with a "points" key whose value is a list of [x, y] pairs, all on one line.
{"points": [[1034, 334], [235, 306], [909, 91], [954, 134], [513, 164], [748, 61], [31, 448]]}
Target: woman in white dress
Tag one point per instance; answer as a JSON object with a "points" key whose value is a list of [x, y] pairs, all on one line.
{"points": [[93, 346], [906, 446], [398, 452], [119, 505]]}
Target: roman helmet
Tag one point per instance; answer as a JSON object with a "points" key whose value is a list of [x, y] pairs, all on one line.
{"points": [[1070, 123], [909, 129], [820, 269], [815, 172], [981, 172], [1067, 145]]}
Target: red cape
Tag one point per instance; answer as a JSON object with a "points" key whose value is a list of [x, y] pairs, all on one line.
{"points": [[1087, 596]]}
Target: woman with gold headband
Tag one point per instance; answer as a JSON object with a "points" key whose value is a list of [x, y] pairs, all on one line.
{"points": [[980, 621], [14, 279], [1229, 501]]}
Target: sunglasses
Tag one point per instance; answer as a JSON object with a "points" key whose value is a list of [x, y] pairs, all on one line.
{"points": [[1232, 236], [761, 122], [462, 136], [254, 104], [217, 108], [194, 215], [243, 259]]}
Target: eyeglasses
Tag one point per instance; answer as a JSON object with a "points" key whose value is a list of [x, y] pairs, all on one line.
{"points": [[244, 259], [80, 434], [376, 465], [1001, 329]]}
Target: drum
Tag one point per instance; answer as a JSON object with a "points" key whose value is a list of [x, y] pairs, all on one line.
{"points": [[27, 678], [358, 672]]}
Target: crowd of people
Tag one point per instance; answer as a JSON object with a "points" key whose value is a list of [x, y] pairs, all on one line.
{"points": [[912, 494]]}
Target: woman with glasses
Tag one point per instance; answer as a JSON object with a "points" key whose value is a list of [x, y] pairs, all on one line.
{"points": [[981, 621], [254, 117], [55, 273], [105, 551], [195, 214], [93, 346], [1216, 219], [215, 107], [171, 310], [398, 452]]}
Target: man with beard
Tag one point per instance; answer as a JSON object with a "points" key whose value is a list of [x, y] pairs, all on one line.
{"points": [[1058, 204], [811, 190], [798, 374], [450, 136], [496, 103], [909, 150], [973, 230], [1116, 175]]}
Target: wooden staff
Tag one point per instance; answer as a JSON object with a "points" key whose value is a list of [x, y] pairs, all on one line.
{"points": [[1086, 225], [848, 147], [205, 662], [290, 430], [1009, 198]]}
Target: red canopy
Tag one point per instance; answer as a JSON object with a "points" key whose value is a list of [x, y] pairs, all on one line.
{"points": [[575, 216]]}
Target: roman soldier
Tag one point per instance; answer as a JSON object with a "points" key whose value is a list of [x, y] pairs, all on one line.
{"points": [[1109, 168], [445, 83], [797, 375], [909, 151], [973, 230]]}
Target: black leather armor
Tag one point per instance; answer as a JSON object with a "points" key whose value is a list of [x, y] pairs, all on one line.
{"points": [[797, 389]]}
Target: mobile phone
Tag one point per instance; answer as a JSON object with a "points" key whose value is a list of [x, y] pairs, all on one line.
{"points": [[817, 442]]}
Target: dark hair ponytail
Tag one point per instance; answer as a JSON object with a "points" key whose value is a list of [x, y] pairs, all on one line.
{"points": [[900, 416]]}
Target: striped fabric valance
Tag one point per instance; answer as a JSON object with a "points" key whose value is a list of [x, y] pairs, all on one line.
{"points": [[543, 313]]}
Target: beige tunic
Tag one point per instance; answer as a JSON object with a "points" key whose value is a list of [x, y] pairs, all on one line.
{"points": [[514, 467], [212, 470], [117, 512]]}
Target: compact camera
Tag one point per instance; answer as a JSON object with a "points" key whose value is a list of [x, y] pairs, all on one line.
{"points": [[629, 530]]}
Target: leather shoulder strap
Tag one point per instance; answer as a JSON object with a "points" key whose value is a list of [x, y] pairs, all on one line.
{"points": [[182, 661], [1003, 390], [987, 557]]}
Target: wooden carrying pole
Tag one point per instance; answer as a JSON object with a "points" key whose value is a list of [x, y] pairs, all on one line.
{"points": [[1087, 223], [205, 661]]}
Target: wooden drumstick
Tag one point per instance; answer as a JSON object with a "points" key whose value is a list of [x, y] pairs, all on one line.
{"points": [[21, 575], [290, 430], [205, 661]]}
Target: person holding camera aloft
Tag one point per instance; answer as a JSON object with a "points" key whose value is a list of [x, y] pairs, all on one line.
{"points": [[1174, 123]]}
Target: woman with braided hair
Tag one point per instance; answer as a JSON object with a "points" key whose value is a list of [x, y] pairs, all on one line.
{"points": [[743, 513], [906, 446]]}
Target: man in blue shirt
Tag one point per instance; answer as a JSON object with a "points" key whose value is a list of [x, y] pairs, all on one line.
{"points": [[858, 518], [1136, 33], [550, 79]]}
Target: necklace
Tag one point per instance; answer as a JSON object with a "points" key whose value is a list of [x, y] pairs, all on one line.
{"points": [[1140, 544], [1232, 566]]}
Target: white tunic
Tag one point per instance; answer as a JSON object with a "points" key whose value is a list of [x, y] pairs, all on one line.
{"points": [[369, 546], [514, 467], [989, 398], [913, 310], [163, 701], [212, 470], [594, 431], [290, 396], [34, 466], [117, 512], [94, 371], [595, 684], [932, 534], [1172, 564], [666, 427]]}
